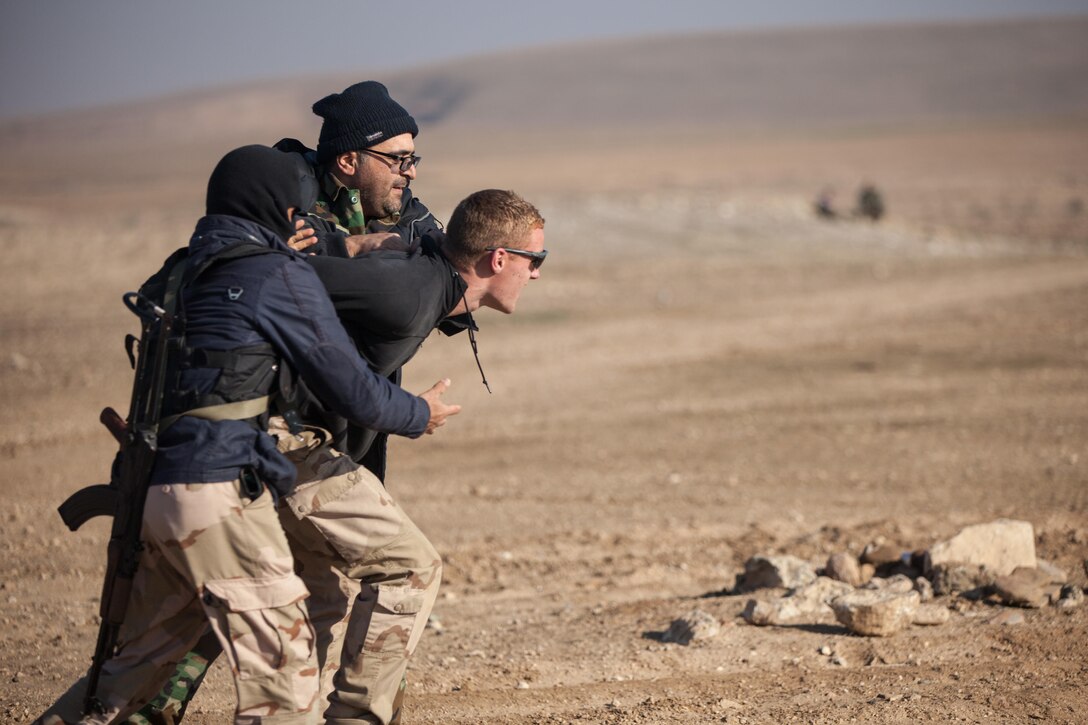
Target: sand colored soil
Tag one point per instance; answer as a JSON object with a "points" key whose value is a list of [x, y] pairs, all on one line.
{"points": [[705, 372]]}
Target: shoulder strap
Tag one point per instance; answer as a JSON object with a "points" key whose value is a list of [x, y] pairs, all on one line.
{"points": [[183, 274], [234, 251], [173, 285]]}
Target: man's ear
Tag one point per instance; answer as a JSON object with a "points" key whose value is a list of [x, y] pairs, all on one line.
{"points": [[348, 162], [496, 260]]}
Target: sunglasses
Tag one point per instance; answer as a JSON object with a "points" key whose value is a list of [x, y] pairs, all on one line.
{"points": [[535, 258]]}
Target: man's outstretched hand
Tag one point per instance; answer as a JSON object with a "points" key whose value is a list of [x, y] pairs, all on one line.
{"points": [[362, 243], [439, 410]]}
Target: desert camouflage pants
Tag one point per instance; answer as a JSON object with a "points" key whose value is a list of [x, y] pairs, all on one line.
{"points": [[372, 574], [212, 556]]}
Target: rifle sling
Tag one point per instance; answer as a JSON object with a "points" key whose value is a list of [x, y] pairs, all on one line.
{"points": [[238, 410], [180, 275]]}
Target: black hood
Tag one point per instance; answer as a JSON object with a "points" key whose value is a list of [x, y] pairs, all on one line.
{"points": [[259, 184]]}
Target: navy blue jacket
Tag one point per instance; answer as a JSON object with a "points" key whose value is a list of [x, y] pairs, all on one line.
{"points": [[281, 302]]}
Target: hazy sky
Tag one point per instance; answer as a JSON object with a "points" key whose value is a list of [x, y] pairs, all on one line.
{"points": [[57, 54]]}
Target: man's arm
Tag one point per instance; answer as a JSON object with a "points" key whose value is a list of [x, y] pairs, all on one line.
{"points": [[315, 235], [357, 244], [298, 318]]}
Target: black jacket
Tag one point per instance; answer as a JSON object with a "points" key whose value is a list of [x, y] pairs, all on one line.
{"points": [[389, 302]]}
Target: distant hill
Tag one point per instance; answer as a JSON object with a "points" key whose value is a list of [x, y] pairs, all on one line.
{"points": [[783, 78], [778, 79]]}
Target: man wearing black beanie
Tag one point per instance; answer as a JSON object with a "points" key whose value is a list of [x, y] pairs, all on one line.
{"points": [[214, 550], [365, 162], [362, 116]]}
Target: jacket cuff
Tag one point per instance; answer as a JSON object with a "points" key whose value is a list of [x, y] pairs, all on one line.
{"points": [[336, 244], [420, 418]]}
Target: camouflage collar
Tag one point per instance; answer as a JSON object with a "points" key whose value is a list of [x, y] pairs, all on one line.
{"points": [[342, 203]]}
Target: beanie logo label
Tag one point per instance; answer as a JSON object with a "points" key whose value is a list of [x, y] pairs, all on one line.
{"points": [[372, 137]]}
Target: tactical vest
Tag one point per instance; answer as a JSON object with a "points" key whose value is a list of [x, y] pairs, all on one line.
{"points": [[252, 381]]}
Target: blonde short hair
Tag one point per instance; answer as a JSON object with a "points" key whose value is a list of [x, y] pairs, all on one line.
{"points": [[488, 218]]}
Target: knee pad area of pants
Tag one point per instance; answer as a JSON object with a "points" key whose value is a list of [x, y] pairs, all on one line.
{"points": [[263, 625]]}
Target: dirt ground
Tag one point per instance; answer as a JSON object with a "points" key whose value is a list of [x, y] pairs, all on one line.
{"points": [[704, 372]]}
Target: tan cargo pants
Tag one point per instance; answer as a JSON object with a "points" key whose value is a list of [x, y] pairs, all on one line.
{"points": [[212, 556], [372, 574]]}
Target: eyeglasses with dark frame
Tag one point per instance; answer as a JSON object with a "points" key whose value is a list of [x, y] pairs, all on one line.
{"points": [[407, 161], [536, 258]]}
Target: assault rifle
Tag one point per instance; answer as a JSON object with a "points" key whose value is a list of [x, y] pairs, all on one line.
{"points": [[124, 496]]}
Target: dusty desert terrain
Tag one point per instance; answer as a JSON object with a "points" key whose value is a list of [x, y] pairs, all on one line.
{"points": [[705, 372]]}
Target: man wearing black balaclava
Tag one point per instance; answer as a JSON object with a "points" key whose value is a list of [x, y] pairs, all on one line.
{"points": [[253, 184], [215, 553]]}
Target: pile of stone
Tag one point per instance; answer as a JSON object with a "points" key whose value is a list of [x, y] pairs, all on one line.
{"points": [[876, 606], [887, 589]]}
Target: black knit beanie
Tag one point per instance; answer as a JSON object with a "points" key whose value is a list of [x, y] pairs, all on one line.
{"points": [[358, 118], [259, 183]]}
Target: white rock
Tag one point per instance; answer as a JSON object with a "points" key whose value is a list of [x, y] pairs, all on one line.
{"points": [[876, 613], [1000, 546]]}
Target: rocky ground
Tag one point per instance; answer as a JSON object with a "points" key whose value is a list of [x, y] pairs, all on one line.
{"points": [[705, 373]]}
